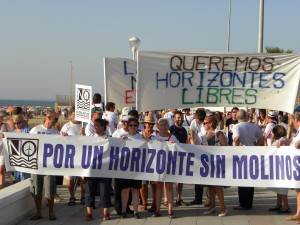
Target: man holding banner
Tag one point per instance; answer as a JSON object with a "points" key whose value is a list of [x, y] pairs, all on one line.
{"points": [[248, 134], [44, 182]]}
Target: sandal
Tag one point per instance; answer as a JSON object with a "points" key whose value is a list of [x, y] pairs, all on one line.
{"points": [[172, 216], [106, 217], [156, 214], [292, 218], [166, 203], [52, 217], [144, 208], [36, 217], [88, 217], [72, 202], [152, 209]]}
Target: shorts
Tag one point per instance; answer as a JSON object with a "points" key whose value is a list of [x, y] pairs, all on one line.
{"points": [[69, 177], [1, 160], [129, 183], [42, 184], [145, 182]]}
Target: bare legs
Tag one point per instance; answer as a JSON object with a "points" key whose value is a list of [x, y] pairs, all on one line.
{"points": [[2, 176]]}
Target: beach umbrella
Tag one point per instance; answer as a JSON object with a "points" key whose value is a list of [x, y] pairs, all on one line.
{"points": [[10, 109], [34, 109]]}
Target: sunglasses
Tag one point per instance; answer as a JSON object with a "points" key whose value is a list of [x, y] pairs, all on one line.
{"points": [[150, 124], [204, 123], [17, 123], [132, 125], [233, 111]]}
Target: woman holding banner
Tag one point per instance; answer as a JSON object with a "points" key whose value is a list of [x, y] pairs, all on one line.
{"points": [[104, 183], [127, 184], [164, 135], [148, 133], [215, 139]]}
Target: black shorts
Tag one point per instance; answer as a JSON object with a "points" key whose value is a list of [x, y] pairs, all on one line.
{"points": [[129, 183]]}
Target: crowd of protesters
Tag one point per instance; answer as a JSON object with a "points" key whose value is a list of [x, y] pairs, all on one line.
{"points": [[239, 127]]}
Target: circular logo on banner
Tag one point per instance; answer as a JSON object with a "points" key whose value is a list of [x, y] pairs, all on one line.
{"points": [[29, 148]]}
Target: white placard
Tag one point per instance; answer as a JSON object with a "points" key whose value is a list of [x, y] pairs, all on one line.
{"points": [[83, 103]]}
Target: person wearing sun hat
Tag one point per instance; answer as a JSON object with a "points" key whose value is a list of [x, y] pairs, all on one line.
{"points": [[271, 118], [148, 133]]}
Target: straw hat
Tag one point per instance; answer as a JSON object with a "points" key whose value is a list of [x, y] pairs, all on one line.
{"points": [[17, 118], [149, 119]]}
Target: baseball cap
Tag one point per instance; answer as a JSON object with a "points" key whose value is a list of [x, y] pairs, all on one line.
{"points": [[97, 110], [126, 118]]}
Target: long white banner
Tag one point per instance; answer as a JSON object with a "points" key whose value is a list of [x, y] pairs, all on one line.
{"points": [[154, 160], [182, 80], [120, 81]]}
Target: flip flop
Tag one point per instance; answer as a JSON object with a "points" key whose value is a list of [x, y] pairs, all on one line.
{"points": [[36, 217]]}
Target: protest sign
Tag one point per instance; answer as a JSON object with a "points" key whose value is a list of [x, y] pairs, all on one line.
{"points": [[120, 81], [249, 166], [180, 80], [83, 103]]}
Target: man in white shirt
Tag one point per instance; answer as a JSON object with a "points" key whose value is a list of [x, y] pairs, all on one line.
{"points": [[72, 128], [197, 131], [249, 134], [111, 117], [44, 182], [97, 101], [187, 117]]}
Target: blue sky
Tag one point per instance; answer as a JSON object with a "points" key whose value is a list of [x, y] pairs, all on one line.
{"points": [[39, 38]]}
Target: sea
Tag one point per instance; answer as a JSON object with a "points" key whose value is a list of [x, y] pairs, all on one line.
{"points": [[22, 102]]}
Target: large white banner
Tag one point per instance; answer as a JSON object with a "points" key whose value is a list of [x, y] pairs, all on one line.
{"points": [[180, 80], [154, 160], [120, 81], [83, 103]]}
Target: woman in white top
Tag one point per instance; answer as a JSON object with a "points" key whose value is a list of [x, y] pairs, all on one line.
{"points": [[261, 119], [104, 183], [127, 184], [164, 135], [279, 134]]}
